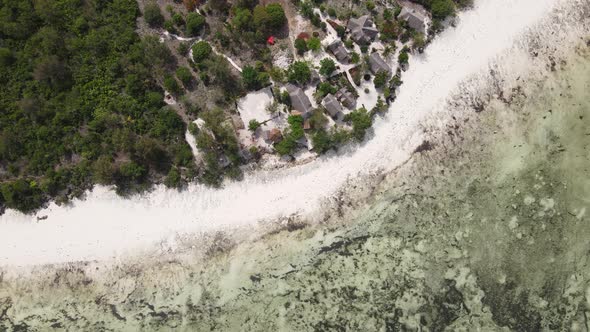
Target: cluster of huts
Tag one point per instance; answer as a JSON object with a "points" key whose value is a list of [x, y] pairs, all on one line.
{"points": [[363, 31]]}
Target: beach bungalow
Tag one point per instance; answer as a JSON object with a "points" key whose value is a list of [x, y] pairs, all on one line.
{"points": [[346, 98], [299, 100], [377, 64], [332, 105], [415, 19], [362, 30], [339, 51]]}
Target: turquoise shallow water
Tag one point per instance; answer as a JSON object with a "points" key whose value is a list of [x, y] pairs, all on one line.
{"points": [[488, 230]]}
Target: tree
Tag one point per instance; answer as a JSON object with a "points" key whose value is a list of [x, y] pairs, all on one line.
{"points": [[184, 75], [171, 85], [242, 21], [6, 57], [276, 16], [403, 57], [173, 179], [201, 51], [361, 121], [299, 72], [152, 14], [442, 8], [314, 44], [327, 66], [269, 18], [321, 141], [253, 125], [380, 79], [250, 78], [300, 45], [318, 120], [194, 23], [260, 17]]}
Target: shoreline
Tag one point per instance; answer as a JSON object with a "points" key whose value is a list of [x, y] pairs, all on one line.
{"points": [[198, 217]]}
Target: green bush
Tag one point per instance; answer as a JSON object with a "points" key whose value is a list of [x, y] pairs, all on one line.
{"points": [[314, 44], [380, 79], [441, 9], [153, 15], [327, 66], [201, 51], [194, 23], [299, 72], [300, 46], [253, 125], [171, 85], [361, 121], [184, 75]]}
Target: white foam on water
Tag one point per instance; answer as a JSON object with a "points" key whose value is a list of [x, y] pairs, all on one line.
{"points": [[104, 225]]}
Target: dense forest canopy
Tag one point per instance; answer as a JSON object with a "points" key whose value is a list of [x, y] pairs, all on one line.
{"points": [[80, 101]]}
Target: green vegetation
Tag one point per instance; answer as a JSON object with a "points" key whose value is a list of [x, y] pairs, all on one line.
{"points": [[253, 125], [184, 75], [152, 14], [194, 23], [299, 72], [327, 66], [314, 44], [81, 102], [201, 51], [218, 142], [380, 79], [295, 132], [270, 18], [442, 8], [300, 45], [361, 121], [254, 78]]}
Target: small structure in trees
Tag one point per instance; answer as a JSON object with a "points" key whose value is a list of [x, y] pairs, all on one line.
{"points": [[415, 19], [332, 105], [377, 64], [299, 100], [362, 30], [339, 51]]}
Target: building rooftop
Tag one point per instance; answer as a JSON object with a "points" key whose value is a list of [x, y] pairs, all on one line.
{"points": [[362, 30], [377, 63], [415, 19], [299, 100], [332, 105]]}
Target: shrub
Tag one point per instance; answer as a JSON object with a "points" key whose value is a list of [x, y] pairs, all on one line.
{"points": [[184, 75], [321, 141], [361, 121], [201, 51], [300, 45], [327, 66], [152, 14], [380, 79], [299, 72], [242, 21], [253, 125], [403, 57], [314, 44], [183, 48], [194, 23], [276, 16], [171, 85], [178, 19], [442, 8]]}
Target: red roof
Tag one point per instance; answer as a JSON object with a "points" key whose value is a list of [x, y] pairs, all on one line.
{"points": [[271, 40]]}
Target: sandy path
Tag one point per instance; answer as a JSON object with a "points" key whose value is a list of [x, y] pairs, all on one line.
{"points": [[104, 225]]}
